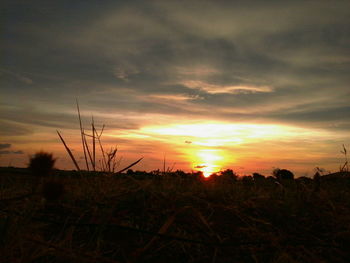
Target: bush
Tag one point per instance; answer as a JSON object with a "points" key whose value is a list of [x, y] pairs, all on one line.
{"points": [[257, 177], [227, 176], [283, 174], [41, 164]]}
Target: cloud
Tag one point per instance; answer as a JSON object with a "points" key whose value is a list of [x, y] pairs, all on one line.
{"points": [[5, 145], [200, 166], [216, 89], [125, 71], [19, 77], [12, 128], [18, 119], [3, 152], [131, 64], [173, 97]]}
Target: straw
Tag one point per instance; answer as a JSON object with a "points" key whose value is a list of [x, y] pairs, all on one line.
{"points": [[131, 165], [69, 152], [82, 136], [93, 143]]}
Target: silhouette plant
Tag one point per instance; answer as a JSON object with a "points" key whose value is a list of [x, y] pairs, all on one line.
{"points": [[345, 167], [108, 163], [283, 174], [228, 175], [41, 164], [258, 176]]}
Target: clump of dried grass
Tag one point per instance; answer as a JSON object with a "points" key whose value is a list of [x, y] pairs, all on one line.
{"points": [[109, 161], [41, 164]]}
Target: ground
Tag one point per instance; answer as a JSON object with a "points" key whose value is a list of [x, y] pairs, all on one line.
{"points": [[140, 217]]}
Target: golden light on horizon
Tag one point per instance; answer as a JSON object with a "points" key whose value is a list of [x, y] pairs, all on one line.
{"points": [[211, 146], [204, 144]]}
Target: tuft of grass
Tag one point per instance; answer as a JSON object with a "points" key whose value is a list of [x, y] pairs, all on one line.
{"points": [[41, 164]]}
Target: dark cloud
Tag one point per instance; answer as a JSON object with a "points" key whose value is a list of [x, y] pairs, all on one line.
{"points": [[118, 57], [10, 128], [37, 116], [11, 152], [5, 145], [325, 114]]}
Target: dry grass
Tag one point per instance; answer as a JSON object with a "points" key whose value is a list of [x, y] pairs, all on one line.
{"points": [[108, 163], [148, 218]]}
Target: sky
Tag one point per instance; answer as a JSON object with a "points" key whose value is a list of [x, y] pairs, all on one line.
{"points": [[206, 85]]}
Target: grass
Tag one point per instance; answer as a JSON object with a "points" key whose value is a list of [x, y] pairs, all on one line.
{"points": [[109, 162], [177, 217]]}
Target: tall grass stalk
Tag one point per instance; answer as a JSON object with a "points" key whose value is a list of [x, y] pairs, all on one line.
{"points": [[82, 136], [93, 143], [109, 163], [69, 152], [88, 150], [345, 167]]}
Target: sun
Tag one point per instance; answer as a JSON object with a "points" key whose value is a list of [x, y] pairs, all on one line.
{"points": [[208, 160]]}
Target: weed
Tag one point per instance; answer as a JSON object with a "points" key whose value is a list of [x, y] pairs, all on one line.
{"points": [[41, 164], [109, 161]]}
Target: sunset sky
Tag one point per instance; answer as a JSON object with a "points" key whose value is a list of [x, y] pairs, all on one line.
{"points": [[247, 85]]}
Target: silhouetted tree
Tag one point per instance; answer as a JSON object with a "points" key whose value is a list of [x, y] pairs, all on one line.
{"points": [[283, 174], [304, 180], [227, 175], [181, 174], [247, 180], [317, 181], [257, 176], [271, 179], [197, 175]]}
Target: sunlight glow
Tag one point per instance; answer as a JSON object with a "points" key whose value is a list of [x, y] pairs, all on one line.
{"points": [[226, 131], [209, 160], [210, 146]]}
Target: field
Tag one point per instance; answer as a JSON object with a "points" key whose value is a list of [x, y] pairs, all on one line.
{"points": [[172, 217]]}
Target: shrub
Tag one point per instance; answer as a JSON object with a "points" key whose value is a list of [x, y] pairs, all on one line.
{"points": [[41, 164], [257, 177], [226, 176], [247, 180], [283, 174]]}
